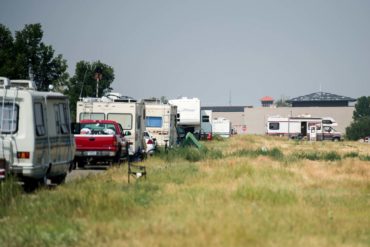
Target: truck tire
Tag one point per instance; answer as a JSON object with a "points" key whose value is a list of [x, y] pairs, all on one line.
{"points": [[58, 179], [81, 164], [117, 158]]}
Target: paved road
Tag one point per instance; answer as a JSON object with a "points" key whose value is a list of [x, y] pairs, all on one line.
{"points": [[80, 173]]}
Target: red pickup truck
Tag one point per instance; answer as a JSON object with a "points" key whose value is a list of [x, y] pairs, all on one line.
{"points": [[99, 141]]}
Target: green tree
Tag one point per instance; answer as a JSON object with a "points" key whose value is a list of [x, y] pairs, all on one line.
{"points": [[362, 108], [282, 102], [27, 56], [360, 127], [6, 51], [83, 83]]}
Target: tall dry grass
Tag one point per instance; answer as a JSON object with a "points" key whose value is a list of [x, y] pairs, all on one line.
{"points": [[248, 190]]}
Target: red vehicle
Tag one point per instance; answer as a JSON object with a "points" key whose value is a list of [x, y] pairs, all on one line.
{"points": [[99, 141]]}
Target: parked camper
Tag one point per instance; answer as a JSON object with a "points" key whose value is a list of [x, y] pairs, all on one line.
{"points": [[36, 143], [301, 127], [160, 122], [124, 110], [206, 124], [293, 127], [188, 115], [221, 126]]}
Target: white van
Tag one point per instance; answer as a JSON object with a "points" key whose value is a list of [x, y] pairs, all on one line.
{"points": [[36, 143], [124, 110], [160, 122]]}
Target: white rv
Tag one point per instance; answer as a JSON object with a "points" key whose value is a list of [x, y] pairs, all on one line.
{"points": [[36, 143], [124, 110], [301, 127], [160, 122], [221, 126], [206, 124], [188, 114]]}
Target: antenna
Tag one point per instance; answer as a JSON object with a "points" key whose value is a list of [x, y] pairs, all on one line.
{"points": [[229, 97]]}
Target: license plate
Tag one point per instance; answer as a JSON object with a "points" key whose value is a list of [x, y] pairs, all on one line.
{"points": [[91, 153]]}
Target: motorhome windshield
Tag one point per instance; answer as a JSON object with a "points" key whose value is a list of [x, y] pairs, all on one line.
{"points": [[8, 118], [125, 119]]}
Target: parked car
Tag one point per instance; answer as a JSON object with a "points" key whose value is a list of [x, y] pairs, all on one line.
{"points": [[149, 143]]}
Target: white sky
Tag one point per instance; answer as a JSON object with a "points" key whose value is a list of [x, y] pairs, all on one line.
{"points": [[209, 48]]}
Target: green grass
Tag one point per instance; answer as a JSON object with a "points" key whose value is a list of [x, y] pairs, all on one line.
{"points": [[238, 192]]}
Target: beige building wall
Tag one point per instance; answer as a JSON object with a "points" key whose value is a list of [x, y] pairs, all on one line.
{"points": [[236, 118], [255, 118]]}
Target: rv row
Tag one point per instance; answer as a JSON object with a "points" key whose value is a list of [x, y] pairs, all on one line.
{"points": [[37, 141]]}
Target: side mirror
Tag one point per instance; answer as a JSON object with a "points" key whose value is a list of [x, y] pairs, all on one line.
{"points": [[127, 133]]}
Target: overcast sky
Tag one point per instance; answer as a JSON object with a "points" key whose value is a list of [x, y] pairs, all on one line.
{"points": [[211, 49]]}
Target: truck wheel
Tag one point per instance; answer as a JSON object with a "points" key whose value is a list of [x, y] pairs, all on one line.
{"points": [[30, 185], [117, 158], [336, 139], [81, 164], [59, 179]]}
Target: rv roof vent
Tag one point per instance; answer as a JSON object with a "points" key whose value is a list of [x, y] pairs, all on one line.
{"points": [[90, 99], [4, 82], [23, 84], [125, 99], [152, 100]]}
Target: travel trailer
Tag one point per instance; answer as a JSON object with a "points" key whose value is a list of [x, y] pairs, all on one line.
{"points": [[122, 109], [188, 115], [221, 127], [206, 124], [160, 122], [36, 142], [301, 127]]}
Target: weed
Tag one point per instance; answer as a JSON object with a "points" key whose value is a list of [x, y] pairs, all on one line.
{"points": [[351, 155]]}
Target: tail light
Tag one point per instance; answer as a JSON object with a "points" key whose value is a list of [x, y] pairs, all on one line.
{"points": [[23, 155], [150, 141]]}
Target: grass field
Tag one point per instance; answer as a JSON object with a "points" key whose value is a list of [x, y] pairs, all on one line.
{"points": [[245, 191]]}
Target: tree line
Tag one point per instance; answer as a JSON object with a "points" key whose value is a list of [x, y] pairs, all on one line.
{"points": [[26, 56]]}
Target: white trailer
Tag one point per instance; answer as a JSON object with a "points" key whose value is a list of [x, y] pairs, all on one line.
{"points": [[295, 127], [124, 110], [36, 142], [160, 122], [221, 127], [188, 114]]}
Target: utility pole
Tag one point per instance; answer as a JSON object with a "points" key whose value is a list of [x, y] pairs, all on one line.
{"points": [[98, 77]]}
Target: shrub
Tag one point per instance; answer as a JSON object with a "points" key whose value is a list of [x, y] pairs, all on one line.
{"points": [[351, 155]]}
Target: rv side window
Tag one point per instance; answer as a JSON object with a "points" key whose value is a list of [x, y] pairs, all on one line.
{"points": [[61, 118], [39, 120], [274, 126], [57, 118], [124, 119], [8, 118], [92, 116], [154, 122], [205, 119]]}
